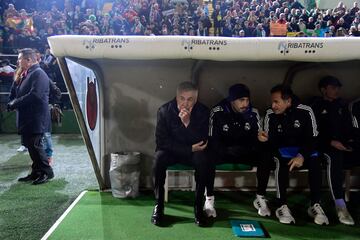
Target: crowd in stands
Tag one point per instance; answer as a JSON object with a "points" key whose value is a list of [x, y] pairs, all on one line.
{"points": [[29, 23]]}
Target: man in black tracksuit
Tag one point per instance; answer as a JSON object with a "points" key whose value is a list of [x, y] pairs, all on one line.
{"points": [[355, 117], [233, 138], [181, 137], [290, 131], [30, 97], [335, 139]]}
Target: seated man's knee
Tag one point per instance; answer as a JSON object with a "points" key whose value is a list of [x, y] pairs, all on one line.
{"points": [[161, 158], [200, 157], [313, 163]]}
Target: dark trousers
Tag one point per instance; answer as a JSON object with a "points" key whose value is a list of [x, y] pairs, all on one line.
{"points": [[250, 157], [34, 144], [336, 162], [164, 159], [282, 178]]}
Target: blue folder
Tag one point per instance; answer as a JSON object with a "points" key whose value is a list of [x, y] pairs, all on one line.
{"points": [[247, 228], [291, 152]]}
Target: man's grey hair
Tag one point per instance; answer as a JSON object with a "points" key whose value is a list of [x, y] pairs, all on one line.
{"points": [[186, 86]]}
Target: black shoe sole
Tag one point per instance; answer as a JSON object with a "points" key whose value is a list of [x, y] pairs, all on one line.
{"points": [[27, 179], [42, 181]]}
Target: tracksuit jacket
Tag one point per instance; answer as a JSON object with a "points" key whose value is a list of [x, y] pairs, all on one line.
{"points": [[334, 121], [296, 127], [355, 117], [232, 130]]}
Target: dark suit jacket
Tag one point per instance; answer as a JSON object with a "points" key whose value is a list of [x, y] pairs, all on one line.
{"points": [[171, 135], [31, 100]]}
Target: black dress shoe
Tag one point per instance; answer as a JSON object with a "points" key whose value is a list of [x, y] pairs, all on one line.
{"points": [[28, 178], [157, 215], [199, 219], [43, 178], [51, 175]]}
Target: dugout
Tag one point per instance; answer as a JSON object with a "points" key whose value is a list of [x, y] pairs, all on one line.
{"points": [[117, 83]]}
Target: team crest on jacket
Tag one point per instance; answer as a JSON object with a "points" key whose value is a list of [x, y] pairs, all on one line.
{"points": [[279, 128], [296, 124], [225, 128], [247, 126]]}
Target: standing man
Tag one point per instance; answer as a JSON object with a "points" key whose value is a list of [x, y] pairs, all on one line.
{"points": [[234, 127], [290, 130], [30, 97], [335, 139], [181, 137]]}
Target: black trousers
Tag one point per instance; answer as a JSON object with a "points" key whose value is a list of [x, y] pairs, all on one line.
{"points": [[34, 144], [336, 162], [252, 157], [164, 159], [282, 178]]}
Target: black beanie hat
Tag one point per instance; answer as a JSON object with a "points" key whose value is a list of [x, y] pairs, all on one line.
{"points": [[238, 91], [329, 80]]}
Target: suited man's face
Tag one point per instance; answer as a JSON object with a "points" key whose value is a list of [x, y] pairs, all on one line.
{"points": [[23, 62]]}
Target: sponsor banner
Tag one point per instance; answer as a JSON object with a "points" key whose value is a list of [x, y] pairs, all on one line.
{"points": [[286, 47]]}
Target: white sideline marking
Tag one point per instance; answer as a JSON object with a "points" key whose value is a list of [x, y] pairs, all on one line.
{"points": [[61, 218]]}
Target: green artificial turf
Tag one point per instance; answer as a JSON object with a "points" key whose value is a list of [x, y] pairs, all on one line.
{"points": [[101, 216], [28, 211]]}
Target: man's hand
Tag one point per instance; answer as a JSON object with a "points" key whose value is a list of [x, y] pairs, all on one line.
{"points": [[184, 115], [198, 146], [263, 136], [297, 161], [339, 146], [10, 106]]}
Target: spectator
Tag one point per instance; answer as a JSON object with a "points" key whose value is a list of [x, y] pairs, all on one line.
{"points": [[259, 31], [55, 19], [354, 9], [217, 18], [304, 16], [356, 22], [340, 9], [310, 24], [10, 12], [353, 32], [341, 32], [294, 27]]}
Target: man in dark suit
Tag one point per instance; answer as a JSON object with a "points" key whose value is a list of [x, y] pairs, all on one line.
{"points": [[181, 137], [30, 97]]}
